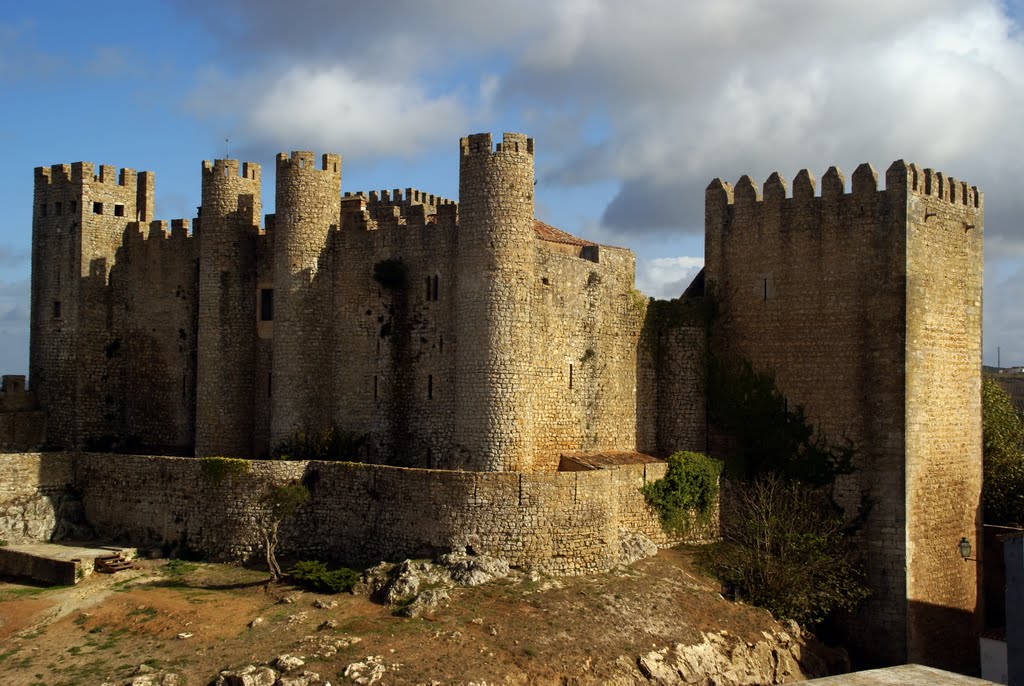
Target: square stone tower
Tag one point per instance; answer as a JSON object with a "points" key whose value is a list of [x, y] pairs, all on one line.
{"points": [[866, 306]]}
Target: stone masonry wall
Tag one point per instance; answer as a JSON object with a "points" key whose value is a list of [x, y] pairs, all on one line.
{"points": [[34, 488], [834, 295], [944, 281], [560, 522]]}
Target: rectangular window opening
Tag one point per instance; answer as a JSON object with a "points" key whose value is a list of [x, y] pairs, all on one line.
{"points": [[42, 213], [428, 288], [436, 287], [97, 208], [570, 376], [375, 388], [118, 210], [266, 304], [72, 206], [57, 207], [430, 387], [56, 308]]}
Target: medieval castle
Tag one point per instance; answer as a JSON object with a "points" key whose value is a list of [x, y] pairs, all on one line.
{"points": [[470, 336]]}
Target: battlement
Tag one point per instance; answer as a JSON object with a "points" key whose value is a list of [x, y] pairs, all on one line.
{"points": [[80, 172], [412, 196], [230, 168], [899, 178], [306, 160], [158, 230], [481, 143]]}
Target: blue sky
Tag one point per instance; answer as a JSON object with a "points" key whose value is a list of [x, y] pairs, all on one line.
{"points": [[633, 110]]}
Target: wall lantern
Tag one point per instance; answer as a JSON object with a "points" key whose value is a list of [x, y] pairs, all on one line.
{"points": [[965, 549]]}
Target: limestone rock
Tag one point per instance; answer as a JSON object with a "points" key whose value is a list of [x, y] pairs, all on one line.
{"points": [[368, 671], [634, 546], [473, 570], [427, 600], [250, 675], [288, 663]]}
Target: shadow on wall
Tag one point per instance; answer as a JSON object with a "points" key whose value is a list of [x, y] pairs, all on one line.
{"points": [[943, 637]]}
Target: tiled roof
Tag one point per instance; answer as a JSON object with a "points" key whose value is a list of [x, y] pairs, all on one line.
{"points": [[546, 232]]}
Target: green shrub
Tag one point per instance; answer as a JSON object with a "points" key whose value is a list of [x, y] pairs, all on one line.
{"points": [[1003, 438], [216, 469], [784, 548], [315, 576], [333, 444], [689, 487]]}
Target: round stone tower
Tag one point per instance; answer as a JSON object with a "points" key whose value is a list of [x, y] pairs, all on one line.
{"points": [[228, 226], [496, 254], [308, 207]]}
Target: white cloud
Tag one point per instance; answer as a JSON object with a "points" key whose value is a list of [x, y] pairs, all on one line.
{"points": [[329, 107], [666, 277]]}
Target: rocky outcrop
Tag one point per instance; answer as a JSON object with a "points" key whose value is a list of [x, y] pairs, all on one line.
{"points": [[719, 658]]}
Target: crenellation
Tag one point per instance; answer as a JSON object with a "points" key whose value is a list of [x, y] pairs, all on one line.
{"points": [[804, 186], [833, 184], [775, 189], [179, 229], [864, 181], [82, 171], [747, 192]]}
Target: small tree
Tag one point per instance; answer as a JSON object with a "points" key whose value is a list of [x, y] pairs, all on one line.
{"points": [[1003, 490], [784, 548], [277, 504]]}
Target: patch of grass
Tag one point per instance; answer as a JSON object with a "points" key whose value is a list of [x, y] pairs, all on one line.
{"points": [[146, 612], [7, 654], [80, 620], [178, 568]]}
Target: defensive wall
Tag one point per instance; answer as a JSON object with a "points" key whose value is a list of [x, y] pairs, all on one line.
{"points": [[22, 423], [497, 343], [559, 523], [866, 307]]}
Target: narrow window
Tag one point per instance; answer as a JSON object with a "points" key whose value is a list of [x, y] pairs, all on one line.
{"points": [[436, 293], [430, 387], [570, 376], [56, 308], [428, 285], [375, 388], [440, 344], [118, 210], [97, 208], [42, 213], [430, 458], [72, 206], [270, 387], [57, 209], [266, 304], [765, 289]]}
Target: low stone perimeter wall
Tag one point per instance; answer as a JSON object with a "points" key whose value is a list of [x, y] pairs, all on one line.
{"points": [[559, 522]]}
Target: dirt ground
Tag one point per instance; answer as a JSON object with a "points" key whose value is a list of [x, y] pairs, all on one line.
{"points": [[193, 619]]}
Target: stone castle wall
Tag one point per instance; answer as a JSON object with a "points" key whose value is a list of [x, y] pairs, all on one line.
{"points": [[562, 523], [168, 345], [831, 295], [943, 409]]}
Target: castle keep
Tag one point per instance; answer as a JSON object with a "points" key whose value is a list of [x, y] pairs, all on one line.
{"points": [[471, 336]]}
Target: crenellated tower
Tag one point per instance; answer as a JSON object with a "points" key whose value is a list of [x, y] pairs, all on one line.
{"points": [[495, 274], [866, 307], [78, 222], [308, 208], [227, 231]]}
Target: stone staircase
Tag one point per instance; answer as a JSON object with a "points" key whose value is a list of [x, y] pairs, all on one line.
{"points": [[112, 562]]}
